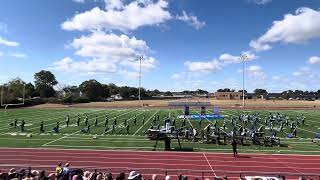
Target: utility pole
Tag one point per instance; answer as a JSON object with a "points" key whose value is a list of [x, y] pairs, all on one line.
{"points": [[140, 58], [243, 57]]}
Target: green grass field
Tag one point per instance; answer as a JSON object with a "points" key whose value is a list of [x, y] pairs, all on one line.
{"points": [[72, 137]]}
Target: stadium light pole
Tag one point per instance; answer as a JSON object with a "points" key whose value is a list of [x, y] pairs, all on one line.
{"points": [[243, 57], [140, 59]]}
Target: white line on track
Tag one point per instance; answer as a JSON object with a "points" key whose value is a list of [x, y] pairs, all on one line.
{"points": [[204, 155]]}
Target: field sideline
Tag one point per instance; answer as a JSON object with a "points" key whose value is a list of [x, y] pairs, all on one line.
{"points": [[72, 138]]}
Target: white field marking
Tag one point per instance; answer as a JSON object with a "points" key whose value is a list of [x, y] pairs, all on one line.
{"points": [[29, 139], [75, 113], [145, 123], [121, 126], [113, 112], [80, 130], [9, 116], [4, 127], [204, 155], [100, 111], [36, 116]]}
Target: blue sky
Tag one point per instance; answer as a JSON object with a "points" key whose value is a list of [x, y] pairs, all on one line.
{"points": [[186, 44]]}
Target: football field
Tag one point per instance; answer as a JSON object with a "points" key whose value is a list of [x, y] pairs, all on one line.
{"points": [[73, 137]]}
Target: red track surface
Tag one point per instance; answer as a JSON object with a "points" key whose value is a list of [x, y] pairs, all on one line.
{"points": [[157, 162]]}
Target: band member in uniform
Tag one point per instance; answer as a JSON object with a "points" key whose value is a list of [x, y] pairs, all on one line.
{"points": [[86, 121], [115, 121], [41, 127], [15, 123], [96, 121], [127, 129], [135, 120], [234, 148], [78, 120], [22, 125], [67, 120], [88, 128]]}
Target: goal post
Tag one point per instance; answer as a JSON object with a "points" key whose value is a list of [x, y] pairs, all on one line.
{"points": [[10, 98]]}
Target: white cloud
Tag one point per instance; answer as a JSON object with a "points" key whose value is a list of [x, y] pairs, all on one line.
{"points": [[296, 28], [276, 77], [258, 46], [255, 71], [18, 55], [314, 60], [107, 53], [128, 17], [203, 67], [228, 58], [191, 20], [84, 67], [109, 46], [79, 1], [176, 76], [261, 2], [114, 4], [8, 43], [146, 64], [304, 71]]}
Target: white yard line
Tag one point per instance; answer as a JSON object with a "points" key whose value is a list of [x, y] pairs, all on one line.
{"points": [[145, 123], [46, 144], [100, 111]]}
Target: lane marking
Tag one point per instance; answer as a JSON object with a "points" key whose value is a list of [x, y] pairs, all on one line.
{"points": [[204, 155]]}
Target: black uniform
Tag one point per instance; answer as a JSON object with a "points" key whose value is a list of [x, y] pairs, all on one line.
{"points": [[96, 121], [234, 148], [41, 127], [86, 121], [135, 121], [68, 120], [15, 123], [127, 129], [106, 122], [22, 125], [78, 121], [88, 129], [57, 125]]}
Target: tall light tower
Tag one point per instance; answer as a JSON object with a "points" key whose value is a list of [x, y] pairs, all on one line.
{"points": [[243, 57], [140, 58]]}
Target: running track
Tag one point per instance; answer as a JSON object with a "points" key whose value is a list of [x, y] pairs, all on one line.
{"points": [[148, 163]]}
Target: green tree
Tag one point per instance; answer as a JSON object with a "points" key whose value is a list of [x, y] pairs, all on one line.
{"points": [[15, 87], [260, 92], [92, 89], [44, 82], [30, 90]]}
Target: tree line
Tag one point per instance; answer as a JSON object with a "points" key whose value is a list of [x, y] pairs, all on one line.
{"points": [[45, 87]]}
